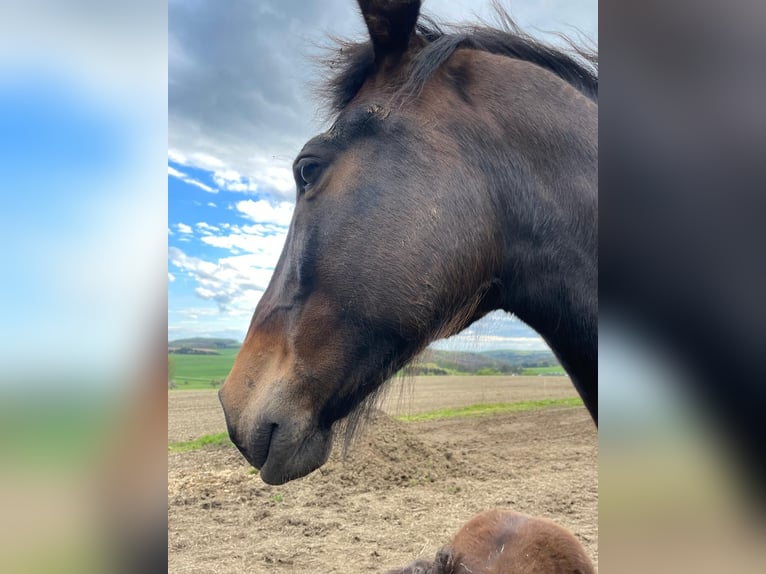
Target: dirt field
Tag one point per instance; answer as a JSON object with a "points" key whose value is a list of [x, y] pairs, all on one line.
{"points": [[401, 493], [192, 414]]}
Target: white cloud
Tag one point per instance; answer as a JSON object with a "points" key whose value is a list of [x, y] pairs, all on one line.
{"points": [[206, 161], [227, 177], [197, 312], [264, 177], [211, 204], [201, 185], [233, 283], [205, 293], [278, 177], [232, 184], [262, 211], [176, 156], [206, 228], [210, 321], [171, 277], [264, 250], [263, 241], [477, 343], [173, 172]]}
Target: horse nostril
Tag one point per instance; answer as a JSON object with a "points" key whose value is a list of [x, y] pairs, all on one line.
{"points": [[260, 444]]}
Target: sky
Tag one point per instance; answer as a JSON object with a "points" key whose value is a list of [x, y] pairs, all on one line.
{"points": [[240, 107]]}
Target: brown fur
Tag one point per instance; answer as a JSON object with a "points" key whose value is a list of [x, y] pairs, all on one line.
{"points": [[507, 542]]}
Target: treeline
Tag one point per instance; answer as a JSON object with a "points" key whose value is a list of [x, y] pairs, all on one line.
{"points": [[431, 362], [204, 343], [436, 362], [191, 351]]}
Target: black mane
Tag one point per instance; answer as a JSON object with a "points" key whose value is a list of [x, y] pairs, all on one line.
{"points": [[352, 62]]}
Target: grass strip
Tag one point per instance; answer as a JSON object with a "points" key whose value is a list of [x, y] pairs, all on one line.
{"points": [[491, 409], [469, 411], [201, 442]]}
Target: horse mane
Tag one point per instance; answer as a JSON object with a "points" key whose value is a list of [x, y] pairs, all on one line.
{"points": [[351, 63]]}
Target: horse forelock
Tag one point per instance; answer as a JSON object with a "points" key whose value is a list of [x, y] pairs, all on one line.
{"points": [[352, 63]]}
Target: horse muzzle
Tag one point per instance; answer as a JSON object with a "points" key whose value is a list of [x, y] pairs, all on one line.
{"points": [[283, 450]]}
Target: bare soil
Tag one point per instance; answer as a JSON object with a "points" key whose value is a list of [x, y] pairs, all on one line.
{"points": [[402, 491], [192, 414]]}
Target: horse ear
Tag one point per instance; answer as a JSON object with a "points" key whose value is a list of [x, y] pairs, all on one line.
{"points": [[445, 561], [391, 24]]}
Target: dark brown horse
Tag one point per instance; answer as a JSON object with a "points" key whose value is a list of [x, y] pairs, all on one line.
{"points": [[507, 542], [459, 177]]}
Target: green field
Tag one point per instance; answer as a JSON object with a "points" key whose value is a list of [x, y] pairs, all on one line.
{"points": [[534, 371], [196, 371]]}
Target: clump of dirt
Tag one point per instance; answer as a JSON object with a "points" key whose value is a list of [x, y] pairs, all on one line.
{"points": [[385, 453]]}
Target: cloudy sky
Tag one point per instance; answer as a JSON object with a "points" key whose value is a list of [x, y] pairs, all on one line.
{"points": [[241, 105]]}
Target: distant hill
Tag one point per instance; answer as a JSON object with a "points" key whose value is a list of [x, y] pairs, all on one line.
{"points": [[433, 361], [192, 351], [201, 359], [204, 343], [524, 358]]}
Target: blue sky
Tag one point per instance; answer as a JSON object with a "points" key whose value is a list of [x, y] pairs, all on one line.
{"points": [[224, 239], [240, 106]]}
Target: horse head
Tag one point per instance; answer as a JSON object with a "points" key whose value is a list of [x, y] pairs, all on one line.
{"points": [[406, 207]]}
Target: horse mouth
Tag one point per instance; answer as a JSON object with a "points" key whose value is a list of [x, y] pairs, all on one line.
{"points": [[282, 454], [257, 451]]}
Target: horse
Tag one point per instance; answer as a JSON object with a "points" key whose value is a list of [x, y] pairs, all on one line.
{"points": [[459, 177], [500, 541]]}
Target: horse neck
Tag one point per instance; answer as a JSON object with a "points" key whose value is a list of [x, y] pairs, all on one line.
{"points": [[563, 308], [539, 171], [549, 276]]}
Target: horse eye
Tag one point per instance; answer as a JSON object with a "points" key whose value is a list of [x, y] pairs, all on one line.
{"points": [[309, 172]]}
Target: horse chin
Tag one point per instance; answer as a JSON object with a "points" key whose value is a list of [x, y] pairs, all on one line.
{"points": [[290, 457]]}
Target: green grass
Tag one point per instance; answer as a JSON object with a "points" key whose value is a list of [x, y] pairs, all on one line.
{"points": [[196, 371], [469, 411], [201, 442], [491, 409], [534, 371]]}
